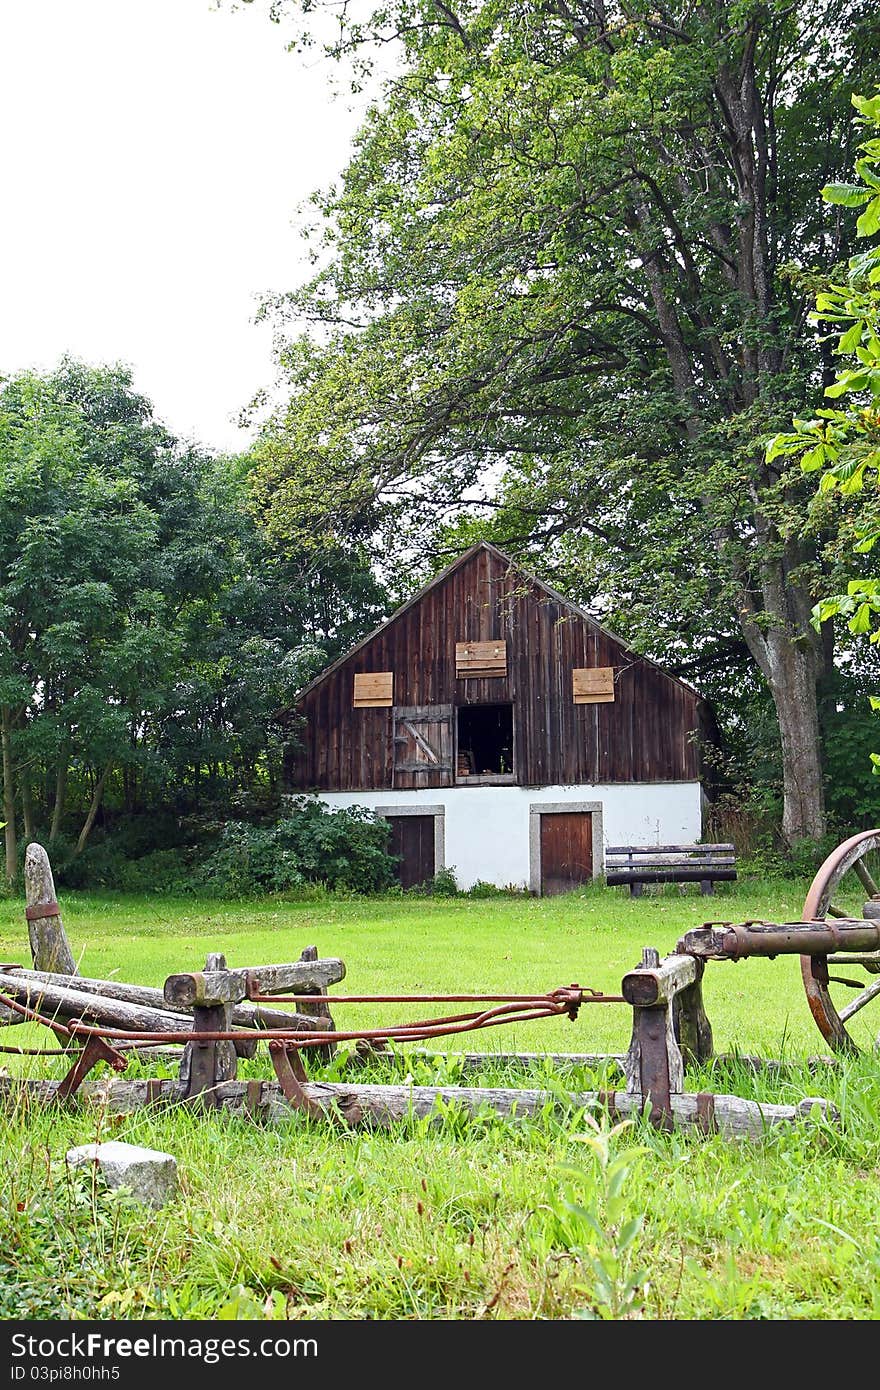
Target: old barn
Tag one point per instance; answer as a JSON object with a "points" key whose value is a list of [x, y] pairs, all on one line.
{"points": [[503, 733]]}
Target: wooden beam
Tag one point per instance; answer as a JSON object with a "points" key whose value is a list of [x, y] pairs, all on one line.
{"points": [[298, 977], [650, 986]]}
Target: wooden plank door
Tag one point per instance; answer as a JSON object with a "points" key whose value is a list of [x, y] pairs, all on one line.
{"points": [[412, 842], [566, 851], [423, 745]]}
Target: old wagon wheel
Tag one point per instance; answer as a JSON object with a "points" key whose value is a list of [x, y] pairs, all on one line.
{"points": [[842, 970]]}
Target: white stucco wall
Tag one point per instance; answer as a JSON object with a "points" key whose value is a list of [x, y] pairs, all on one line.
{"points": [[486, 830]]}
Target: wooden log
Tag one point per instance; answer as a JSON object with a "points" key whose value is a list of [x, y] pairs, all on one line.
{"points": [[479, 1061], [307, 976], [58, 1001], [50, 948], [733, 1116], [205, 988], [244, 1015], [649, 986]]}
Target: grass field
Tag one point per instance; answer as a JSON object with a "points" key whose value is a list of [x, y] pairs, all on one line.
{"points": [[458, 1217]]}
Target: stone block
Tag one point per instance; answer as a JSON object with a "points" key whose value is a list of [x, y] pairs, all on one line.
{"points": [[150, 1175]]}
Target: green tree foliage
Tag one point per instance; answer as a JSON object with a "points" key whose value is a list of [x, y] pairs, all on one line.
{"points": [[842, 442], [557, 278], [148, 634]]}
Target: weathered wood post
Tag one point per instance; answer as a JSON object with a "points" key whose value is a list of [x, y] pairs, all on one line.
{"points": [[49, 945], [212, 994], [324, 1053], [690, 1021], [654, 1065]]}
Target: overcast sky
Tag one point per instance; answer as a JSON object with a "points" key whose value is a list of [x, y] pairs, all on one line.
{"points": [[153, 155]]}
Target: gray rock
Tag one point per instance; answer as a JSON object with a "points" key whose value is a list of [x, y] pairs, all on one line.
{"points": [[150, 1175]]}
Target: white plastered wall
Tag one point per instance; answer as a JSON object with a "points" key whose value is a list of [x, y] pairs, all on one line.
{"points": [[489, 833]]}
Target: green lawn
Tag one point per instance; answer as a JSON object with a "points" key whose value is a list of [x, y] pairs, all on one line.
{"points": [[412, 944], [458, 1217]]}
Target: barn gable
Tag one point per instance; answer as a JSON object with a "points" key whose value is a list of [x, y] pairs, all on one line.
{"points": [[487, 676]]}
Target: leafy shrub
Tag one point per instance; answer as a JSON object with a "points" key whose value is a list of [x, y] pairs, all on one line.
{"points": [[443, 884], [105, 865], [482, 889], [345, 849], [800, 860]]}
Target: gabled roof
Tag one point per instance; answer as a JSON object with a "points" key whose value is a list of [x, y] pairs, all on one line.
{"points": [[441, 578]]}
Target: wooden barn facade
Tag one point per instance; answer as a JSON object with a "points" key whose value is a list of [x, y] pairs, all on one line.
{"points": [[503, 733]]}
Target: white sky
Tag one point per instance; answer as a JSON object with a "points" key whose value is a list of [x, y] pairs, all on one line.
{"points": [[153, 154]]}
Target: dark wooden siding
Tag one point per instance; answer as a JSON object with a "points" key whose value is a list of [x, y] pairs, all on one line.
{"points": [[643, 736]]}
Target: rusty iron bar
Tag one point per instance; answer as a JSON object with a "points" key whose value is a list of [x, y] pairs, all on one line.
{"points": [[565, 1000], [34, 1016], [593, 996]]}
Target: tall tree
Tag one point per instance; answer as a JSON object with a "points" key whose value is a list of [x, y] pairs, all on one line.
{"points": [[559, 276], [148, 633], [842, 441]]}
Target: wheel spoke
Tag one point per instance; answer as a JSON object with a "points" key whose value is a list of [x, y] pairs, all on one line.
{"points": [[864, 998], [832, 911], [867, 882], [868, 960]]}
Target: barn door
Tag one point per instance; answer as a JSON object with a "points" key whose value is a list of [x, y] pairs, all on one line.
{"points": [[566, 851], [423, 745], [412, 844]]}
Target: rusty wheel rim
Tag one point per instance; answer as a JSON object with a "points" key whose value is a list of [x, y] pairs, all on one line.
{"points": [[819, 905]]}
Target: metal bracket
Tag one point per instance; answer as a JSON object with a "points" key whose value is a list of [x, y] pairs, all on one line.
{"points": [[95, 1050], [40, 910], [291, 1078]]}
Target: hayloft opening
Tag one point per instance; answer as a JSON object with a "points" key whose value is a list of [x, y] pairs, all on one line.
{"points": [[485, 742]]}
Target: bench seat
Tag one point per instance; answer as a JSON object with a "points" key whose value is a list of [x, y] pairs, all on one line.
{"points": [[636, 865]]}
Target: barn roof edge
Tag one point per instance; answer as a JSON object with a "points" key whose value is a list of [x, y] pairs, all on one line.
{"points": [[441, 577]]}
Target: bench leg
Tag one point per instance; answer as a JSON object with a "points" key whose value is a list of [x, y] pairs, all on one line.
{"points": [[635, 889], [707, 887]]}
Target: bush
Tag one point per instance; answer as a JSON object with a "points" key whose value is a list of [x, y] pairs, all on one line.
{"points": [[345, 849], [105, 865], [482, 889], [443, 884]]}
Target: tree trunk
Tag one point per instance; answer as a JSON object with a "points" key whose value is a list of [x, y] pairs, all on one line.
{"points": [[27, 807], [60, 792], [792, 680], [8, 795], [93, 809]]}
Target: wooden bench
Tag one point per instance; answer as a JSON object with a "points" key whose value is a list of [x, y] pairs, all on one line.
{"points": [[636, 865]]}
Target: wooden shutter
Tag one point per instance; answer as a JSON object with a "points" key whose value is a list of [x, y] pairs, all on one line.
{"points": [[480, 659], [373, 689], [423, 746], [593, 685]]}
